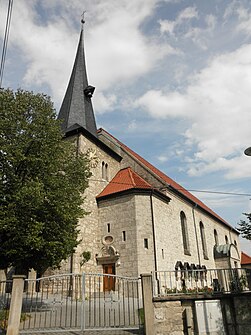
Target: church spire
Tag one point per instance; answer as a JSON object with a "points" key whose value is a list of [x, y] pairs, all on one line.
{"points": [[76, 110]]}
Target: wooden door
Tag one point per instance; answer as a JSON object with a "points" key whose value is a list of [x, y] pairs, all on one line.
{"points": [[109, 281]]}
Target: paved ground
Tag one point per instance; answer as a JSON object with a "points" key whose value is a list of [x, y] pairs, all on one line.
{"points": [[94, 332]]}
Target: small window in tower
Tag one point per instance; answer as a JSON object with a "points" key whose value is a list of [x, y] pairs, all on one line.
{"points": [[123, 235], [163, 255], [235, 243], [108, 227], [226, 239], [146, 243]]}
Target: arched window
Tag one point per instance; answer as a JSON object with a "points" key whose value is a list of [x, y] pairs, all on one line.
{"points": [[106, 172], [235, 243], [103, 170], [216, 240], [183, 222], [203, 240], [226, 239]]}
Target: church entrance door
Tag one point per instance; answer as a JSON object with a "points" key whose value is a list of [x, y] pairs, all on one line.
{"points": [[109, 279]]}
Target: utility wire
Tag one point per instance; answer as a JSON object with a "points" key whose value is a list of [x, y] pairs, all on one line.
{"points": [[178, 189], [6, 38]]}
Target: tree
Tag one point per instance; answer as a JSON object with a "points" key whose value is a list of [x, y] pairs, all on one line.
{"points": [[42, 180], [245, 227]]}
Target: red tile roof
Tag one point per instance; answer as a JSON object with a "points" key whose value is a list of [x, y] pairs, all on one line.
{"points": [[125, 179], [245, 259], [167, 180]]}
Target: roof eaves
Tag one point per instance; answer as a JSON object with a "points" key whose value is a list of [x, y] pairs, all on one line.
{"points": [[136, 191], [77, 129]]}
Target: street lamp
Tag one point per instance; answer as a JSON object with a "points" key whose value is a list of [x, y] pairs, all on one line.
{"points": [[248, 151]]}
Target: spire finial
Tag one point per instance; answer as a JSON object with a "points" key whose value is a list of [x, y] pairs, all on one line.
{"points": [[83, 18]]}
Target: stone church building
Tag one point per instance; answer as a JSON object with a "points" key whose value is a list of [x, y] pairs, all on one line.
{"points": [[140, 220]]}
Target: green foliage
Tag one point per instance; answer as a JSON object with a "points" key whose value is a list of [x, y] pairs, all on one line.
{"points": [[41, 182], [86, 256], [142, 316], [4, 316], [238, 284], [244, 227]]}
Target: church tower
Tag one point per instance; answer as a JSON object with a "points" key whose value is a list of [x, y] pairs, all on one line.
{"points": [[76, 110]]}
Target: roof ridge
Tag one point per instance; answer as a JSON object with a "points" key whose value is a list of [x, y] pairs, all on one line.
{"points": [[131, 176]]}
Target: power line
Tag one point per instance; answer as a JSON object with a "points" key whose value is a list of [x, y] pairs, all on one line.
{"points": [[6, 38], [179, 189]]}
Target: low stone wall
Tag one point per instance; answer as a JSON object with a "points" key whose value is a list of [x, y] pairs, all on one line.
{"points": [[168, 318]]}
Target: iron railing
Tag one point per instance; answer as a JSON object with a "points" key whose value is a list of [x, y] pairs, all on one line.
{"points": [[204, 281], [5, 296], [111, 302], [79, 302], [52, 303]]}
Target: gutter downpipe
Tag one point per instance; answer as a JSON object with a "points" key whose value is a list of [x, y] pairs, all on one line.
{"points": [[154, 242], [196, 235]]}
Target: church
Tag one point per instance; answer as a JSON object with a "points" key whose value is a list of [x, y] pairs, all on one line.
{"points": [[140, 220]]}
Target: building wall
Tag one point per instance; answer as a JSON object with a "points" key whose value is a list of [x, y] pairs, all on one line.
{"points": [[144, 226], [120, 214], [89, 226], [133, 215], [130, 214], [168, 225], [169, 240]]}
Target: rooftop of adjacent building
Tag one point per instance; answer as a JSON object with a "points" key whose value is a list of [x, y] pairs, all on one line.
{"points": [[245, 259]]}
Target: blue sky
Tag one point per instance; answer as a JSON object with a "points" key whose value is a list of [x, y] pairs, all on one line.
{"points": [[172, 78]]}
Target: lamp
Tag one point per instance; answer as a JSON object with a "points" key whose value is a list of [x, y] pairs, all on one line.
{"points": [[248, 151]]}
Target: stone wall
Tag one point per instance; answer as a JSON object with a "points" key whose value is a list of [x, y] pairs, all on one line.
{"points": [[179, 317], [168, 226], [120, 214], [168, 318]]}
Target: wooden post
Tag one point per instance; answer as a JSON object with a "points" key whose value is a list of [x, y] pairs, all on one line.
{"points": [[15, 305]]}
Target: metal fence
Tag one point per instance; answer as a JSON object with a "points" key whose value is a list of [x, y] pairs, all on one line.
{"points": [[5, 296], [79, 302], [111, 301], [204, 281]]}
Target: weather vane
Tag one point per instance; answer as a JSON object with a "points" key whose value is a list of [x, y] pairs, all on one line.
{"points": [[83, 17]]}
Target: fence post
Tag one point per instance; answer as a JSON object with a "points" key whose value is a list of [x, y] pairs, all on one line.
{"points": [[15, 305], [147, 294]]}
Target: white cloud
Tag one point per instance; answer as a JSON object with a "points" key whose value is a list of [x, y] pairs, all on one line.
{"points": [[167, 26], [183, 28], [104, 102], [162, 158], [114, 55], [162, 105], [217, 105]]}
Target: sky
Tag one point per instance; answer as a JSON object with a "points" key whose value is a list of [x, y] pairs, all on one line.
{"points": [[172, 78]]}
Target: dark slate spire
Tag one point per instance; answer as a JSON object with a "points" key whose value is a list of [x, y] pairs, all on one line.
{"points": [[76, 110]]}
